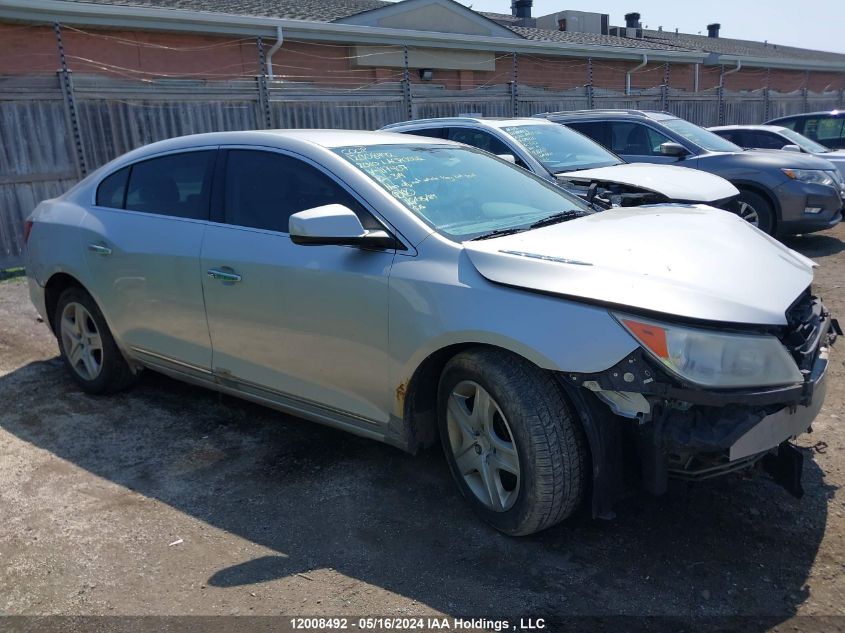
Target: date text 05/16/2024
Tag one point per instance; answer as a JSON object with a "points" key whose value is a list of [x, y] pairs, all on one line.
{"points": [[415, 624]]}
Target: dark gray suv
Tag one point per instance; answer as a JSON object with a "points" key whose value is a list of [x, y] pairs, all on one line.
{"points": [[785, 192]]}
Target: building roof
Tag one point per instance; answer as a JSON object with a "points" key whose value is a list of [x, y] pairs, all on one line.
{"points": [[753, 53], [739, 48], [311, 10], [594, 39]]}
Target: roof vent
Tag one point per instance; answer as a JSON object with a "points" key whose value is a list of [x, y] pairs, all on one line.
{"points": [[713, 29], [632, 20], [521, 8]]}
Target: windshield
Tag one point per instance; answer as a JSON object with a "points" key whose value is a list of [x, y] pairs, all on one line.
{"points": [[560, 148], [461, 192], [701, 137], [803, 142]]}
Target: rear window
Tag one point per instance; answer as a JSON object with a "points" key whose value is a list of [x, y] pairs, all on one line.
{"points": [[112, 190], [177, 185]]}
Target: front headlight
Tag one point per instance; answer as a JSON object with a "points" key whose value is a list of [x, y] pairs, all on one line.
{"points": [[715, 359], [811, 176]]}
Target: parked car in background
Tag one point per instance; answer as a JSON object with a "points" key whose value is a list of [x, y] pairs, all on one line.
{"points": [[778, 137], [404, 288], [827, 128], [576, 162], [780, 192]]}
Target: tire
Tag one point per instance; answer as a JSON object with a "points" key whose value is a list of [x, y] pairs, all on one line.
{"points": [[533, 431], [748, 202], [87, 346]]}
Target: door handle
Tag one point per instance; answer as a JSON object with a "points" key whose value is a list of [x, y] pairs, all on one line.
{"points": [[100, 249], [222, 275]]}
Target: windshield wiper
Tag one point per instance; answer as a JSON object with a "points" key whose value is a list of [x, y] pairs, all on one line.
{"points": [[499, 233], [563, 216]]}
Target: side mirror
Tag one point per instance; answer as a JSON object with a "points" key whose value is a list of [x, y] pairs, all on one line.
{"points": [[791, 148], [334, 225], [670, 148], [508, 157]]}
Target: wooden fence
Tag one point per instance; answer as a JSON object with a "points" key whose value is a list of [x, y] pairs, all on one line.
{"points": [[55, 129]]}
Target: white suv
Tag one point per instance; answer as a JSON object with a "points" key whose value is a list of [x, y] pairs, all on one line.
{"points": [[577, 163]]}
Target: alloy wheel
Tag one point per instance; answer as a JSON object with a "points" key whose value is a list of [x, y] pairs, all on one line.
{"points": [[748, 213], [81, 341], [483, 446]]}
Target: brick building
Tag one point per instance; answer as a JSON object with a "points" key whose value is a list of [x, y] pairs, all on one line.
{"points": [[353, 43]]}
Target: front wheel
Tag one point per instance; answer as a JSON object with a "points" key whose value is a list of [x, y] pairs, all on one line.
{"points": [[756, 210], [87, 346], [513, 444]]}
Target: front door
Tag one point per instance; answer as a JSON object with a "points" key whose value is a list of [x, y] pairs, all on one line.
{"points": [[638, 143], [302, 322]]}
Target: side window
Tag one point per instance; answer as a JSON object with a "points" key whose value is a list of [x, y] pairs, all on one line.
{"points": [[811, 128], [635, 139], [436, 132], [765, 140], [112, 190], [596, 130], [263, 189], [478, 138], [176, 185], [788, 123], [829, 129], [734, 136]]}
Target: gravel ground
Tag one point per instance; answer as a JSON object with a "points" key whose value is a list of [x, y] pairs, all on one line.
{"points": [[170, 499]]}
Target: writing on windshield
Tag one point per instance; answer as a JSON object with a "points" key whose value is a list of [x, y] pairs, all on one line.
{"points": [[414, 189]]}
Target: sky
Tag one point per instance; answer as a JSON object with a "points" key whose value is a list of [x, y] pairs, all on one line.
{"points": [[816, 24]]}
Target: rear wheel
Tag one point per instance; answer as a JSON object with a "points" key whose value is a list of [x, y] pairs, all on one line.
{"points": [[87, 346], [756, 210], [514, 446]]}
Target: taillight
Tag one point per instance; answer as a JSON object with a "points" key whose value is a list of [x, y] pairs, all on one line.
{"points": [[27, 229]]}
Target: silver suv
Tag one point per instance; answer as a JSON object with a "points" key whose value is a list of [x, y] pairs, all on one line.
{"points": [[408, 289]]}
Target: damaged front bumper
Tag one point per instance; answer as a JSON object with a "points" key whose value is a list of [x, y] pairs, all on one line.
{"points": [[679, 431]]}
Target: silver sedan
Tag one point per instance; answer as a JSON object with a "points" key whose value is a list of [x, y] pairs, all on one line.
{"points": [[412, 290]]}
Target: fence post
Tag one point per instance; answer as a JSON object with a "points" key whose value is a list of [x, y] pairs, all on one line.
{"points": [[514, 86], [589, 83], [263, 93], [66, 85], [767, 104], [664, 89], [805, 91], [722, 95], [406, 87]]}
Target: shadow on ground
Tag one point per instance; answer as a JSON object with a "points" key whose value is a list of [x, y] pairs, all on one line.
{"points": [[815, 244], [324, 499]]}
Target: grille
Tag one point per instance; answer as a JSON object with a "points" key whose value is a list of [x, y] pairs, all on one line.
{"points": [[804, 329]]}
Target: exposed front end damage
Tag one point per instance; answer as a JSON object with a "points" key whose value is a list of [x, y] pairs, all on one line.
{"points": [[608, 194], [638, 414]]}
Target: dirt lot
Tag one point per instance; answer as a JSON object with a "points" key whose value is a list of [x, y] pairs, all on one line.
{"points": [[169, 499]]}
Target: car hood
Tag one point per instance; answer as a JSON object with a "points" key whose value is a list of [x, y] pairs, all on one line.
{"points": [[676, 183], [835, 156], [774, 158], [689, 261]]}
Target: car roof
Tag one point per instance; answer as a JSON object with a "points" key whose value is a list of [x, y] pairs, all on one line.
{"points": [[476, 121], [323, 138], [655, 115], [808, 114], [296, 140], [764, 128]]}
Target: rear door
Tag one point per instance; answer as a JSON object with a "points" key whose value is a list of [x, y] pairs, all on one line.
{"points": [[142, 241], [307, 323]]}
